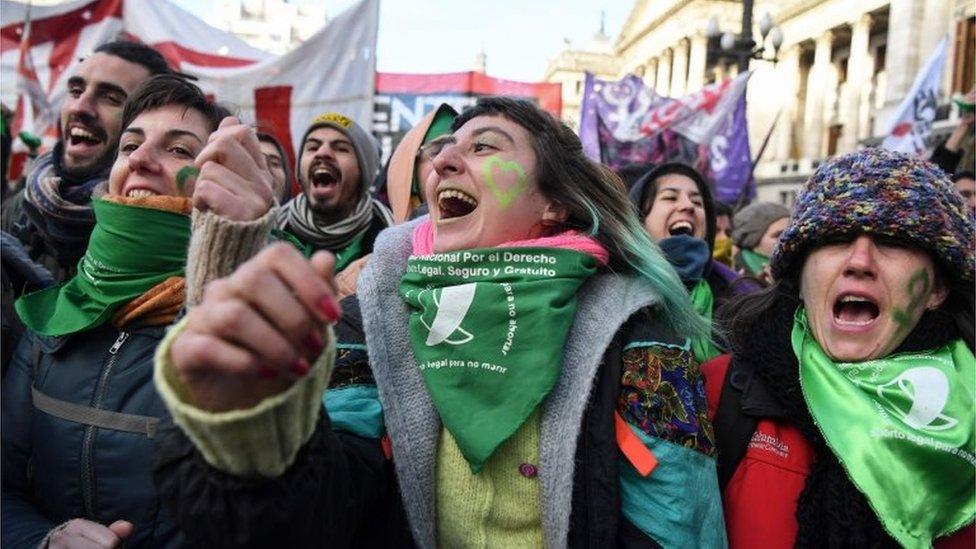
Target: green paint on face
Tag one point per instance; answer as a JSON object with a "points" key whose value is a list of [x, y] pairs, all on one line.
{"points": [[185, 173], [920, 282], [505, 197]]}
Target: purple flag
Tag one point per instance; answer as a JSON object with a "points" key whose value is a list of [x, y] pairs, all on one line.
{"points": [[730, 159], [625, 122]]}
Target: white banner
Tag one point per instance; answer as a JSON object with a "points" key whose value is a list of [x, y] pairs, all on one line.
{"points": [[911, 130], [334, 70]]}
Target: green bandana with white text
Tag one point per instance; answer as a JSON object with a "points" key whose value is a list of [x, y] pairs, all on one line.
{"points": [[131, 250], [903, 429], [488, 327]]}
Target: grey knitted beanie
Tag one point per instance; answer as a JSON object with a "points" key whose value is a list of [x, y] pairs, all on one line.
{"points": [[751, 222]]}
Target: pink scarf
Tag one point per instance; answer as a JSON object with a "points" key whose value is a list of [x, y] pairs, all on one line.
{"points": [[423, 243]]}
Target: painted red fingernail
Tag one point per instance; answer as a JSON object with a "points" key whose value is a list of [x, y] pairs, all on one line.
{"points": [[329, 308], [300, 367], [314, 342], [266, 372]]}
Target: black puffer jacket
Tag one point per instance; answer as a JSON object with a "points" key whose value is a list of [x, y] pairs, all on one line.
{"points": [[73, 409]]}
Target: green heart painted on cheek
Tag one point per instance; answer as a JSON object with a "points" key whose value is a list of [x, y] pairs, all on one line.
{"points": [[185, 173], [505, 197]]}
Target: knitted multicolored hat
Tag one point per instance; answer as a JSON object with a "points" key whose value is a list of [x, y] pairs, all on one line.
{"points": [[879, 192]]}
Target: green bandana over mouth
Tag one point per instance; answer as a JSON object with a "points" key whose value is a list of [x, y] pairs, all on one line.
{"points": [[488, 328], [903, 429], [754, 262], [131, 250]]}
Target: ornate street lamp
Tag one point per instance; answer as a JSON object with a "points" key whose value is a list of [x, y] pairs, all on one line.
{"points": [[741, 47]]}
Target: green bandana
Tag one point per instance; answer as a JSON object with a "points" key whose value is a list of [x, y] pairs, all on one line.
{"points": [[131, 250], [343, 257], [282, 235], [703, 301], [754, 262], [488, 328], [902, 427], [350, 253]]}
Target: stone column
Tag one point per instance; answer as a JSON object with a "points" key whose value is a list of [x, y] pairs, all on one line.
{"points": [[814, 130], [902, 57], [650, 75], [789, 75], [679, 69], [696, 63], [663, 83], [720, 72], [858, 76]]}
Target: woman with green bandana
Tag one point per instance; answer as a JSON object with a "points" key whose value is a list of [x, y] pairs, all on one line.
{"points": [[757, 229], [79, 408], [844, 417], [511, 373], [676, 204]]}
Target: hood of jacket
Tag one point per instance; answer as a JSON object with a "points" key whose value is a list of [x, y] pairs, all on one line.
{"points": [[400, 173]]}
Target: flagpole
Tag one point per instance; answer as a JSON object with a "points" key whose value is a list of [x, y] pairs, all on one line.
{"points": [[743, 194], [769, 134]]}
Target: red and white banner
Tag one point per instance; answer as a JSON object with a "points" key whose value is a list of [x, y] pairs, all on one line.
{"points": [[331, 71], [403, 99]]}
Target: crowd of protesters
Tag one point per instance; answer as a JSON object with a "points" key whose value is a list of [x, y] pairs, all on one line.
{"points": [[492, 341]]}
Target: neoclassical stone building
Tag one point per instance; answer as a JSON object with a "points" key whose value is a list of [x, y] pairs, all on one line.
{"points": [[842, 70]]}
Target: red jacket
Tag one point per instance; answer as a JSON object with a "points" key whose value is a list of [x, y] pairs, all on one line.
{"points": [[760, 499]]}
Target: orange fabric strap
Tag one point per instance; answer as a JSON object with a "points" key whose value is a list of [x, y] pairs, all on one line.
{"points": [[633, 447]]}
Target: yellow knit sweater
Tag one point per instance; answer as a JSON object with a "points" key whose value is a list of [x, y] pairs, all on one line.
{"points": [[498, 507]]}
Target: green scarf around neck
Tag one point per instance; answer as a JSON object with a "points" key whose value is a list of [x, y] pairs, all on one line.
{"points": [[704, 301], [131, 250], [343, 257], [754, 262], [903, 428], [488, 328]]}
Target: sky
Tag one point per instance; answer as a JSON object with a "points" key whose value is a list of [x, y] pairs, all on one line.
{"points": [[437, 36]]}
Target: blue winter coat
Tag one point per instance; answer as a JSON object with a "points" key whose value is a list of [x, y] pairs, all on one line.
{"points": [[77, 432]]}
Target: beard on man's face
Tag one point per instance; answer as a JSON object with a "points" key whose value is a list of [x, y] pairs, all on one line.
{"points": [[98, 138]]}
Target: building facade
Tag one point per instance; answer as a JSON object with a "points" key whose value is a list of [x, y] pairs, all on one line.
{"points": [[275, 26], [568, 68], [842, 70]]}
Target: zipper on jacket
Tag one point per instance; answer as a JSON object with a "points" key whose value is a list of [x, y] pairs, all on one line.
{"points": [[88, 444]]}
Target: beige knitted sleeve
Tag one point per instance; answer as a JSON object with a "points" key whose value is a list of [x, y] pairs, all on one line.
{"points": [[262, 441], [218, 246]]}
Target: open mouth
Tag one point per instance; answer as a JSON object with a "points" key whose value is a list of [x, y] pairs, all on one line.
{"points": [[453, 203], [79, 135], [681, 227], [324, 176], [140, 193], [855, 310]]}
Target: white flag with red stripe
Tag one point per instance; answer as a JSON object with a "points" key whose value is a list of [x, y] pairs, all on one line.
{"points": [[33, 108], [334, 70]]}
